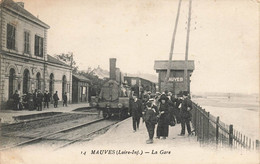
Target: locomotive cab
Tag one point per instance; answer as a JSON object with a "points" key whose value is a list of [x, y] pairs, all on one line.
{"points": [[114, 100]]}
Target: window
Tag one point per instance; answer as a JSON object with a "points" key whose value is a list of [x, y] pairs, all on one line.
{"points": [[84, 90], [133, 81], [38, 46], [10, 37], [26, 42]]}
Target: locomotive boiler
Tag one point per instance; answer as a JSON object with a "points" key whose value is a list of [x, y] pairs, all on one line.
{"points": [[115, 95]]}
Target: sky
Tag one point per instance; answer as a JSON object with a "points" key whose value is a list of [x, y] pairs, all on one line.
{"points": [[224, 37]]}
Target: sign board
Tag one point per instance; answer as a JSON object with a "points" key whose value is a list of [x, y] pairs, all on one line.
{"points": [[176, 79]]}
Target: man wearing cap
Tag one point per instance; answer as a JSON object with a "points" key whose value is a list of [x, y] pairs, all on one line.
{"points": [[135, 109], [185, 114], [150, 121]]}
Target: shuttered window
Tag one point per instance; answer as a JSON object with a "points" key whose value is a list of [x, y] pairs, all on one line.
{"points": [[10, 37], [38, 46], [26, 42]]}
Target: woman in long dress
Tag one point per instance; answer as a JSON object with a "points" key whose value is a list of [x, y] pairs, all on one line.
{"points": [[163, 122]]}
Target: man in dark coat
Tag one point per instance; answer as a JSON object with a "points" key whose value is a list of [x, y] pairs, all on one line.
{"points": [[177, 101], [35, 99], [185, 114], [150, 121], [16, 100], [39, 101], [30, 101], [135, 109], [55, 99], [65, 99], [47, 98], [163, 122]]}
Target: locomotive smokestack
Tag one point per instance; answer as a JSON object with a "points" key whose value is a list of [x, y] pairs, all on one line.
{"points": [[112, 68]]}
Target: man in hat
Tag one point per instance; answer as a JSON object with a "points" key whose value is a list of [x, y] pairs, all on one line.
{"points": [[35, 99], [185, 114], [56, 99], [135, 109], [157, 97], [65, 99], [39, 99], [47, 98], [16, 100], [150, 121]]}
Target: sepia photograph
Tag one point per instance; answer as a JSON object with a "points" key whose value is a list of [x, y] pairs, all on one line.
{"points": [[129, 81]]}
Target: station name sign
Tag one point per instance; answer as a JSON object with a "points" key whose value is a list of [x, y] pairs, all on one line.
{"points": [[176, 79]]}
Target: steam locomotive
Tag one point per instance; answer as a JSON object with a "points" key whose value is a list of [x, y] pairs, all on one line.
{"points": [[115, 95]]}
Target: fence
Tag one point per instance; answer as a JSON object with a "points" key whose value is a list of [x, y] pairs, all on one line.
{"points": [[210, 129]]}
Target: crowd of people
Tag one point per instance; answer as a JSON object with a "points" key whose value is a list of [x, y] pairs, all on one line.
{"points": [[163, 109], [37, 99]]}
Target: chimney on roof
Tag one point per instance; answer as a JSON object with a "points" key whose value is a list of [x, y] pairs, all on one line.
{"points": [[20, 4], [112, 68]]}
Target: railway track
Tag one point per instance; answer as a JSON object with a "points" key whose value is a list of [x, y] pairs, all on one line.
{"points": [[53, 119], [68, 142], [89, 135]]}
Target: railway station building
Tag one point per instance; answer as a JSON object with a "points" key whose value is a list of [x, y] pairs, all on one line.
{"points": [[176, 79], [24, 62], [80, 89]]}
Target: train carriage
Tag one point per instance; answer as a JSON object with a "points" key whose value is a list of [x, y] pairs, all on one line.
{"points": [[140, 86]]}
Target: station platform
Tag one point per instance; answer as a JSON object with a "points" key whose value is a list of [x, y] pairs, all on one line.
{"points": [[9, 116], [121, 145]]}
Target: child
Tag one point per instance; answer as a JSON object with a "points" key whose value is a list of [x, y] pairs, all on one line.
{"points": [[150, 121]]}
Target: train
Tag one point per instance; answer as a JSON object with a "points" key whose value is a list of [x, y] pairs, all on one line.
{"points": [[114, 97], [140, 86], [116, 92]]}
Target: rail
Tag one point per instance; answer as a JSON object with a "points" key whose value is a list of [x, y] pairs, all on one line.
{"points": [[210, 129], [50, 134]]}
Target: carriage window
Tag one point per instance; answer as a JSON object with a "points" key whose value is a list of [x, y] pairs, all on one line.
{"points": [[133, 81]]}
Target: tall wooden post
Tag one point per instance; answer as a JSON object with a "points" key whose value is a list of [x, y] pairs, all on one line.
{"points": [[187, 50], [172, 44], [230, 135], [217, 130]]}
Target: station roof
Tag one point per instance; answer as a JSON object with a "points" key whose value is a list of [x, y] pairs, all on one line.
{"points": [[16, 8], [81, 78], [52, 59], [160, 65]]}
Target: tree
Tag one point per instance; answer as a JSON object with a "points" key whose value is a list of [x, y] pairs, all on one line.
{"points": [[96, 83], [68, 59]]}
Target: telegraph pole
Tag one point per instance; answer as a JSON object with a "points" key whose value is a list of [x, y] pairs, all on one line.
{"points": [[186, 82], [172, 44]]}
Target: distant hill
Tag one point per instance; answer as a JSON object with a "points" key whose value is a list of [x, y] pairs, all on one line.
{"points": [[222, 94]]}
